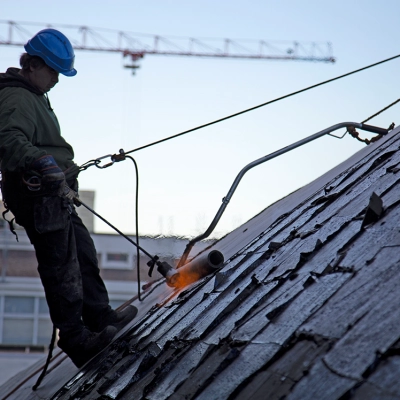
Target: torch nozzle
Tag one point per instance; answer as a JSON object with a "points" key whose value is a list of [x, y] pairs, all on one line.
{"points": [[192, 271], [166, 270]]}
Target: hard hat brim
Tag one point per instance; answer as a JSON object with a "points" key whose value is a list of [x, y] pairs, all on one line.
{"points": [[72, 72]]}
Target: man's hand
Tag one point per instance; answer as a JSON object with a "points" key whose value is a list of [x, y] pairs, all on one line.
{"points": [[52, 177]]}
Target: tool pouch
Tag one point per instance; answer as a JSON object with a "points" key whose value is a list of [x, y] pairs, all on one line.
{"points": [[51, 214]]}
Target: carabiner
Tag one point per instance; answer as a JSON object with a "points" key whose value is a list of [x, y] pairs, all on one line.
{"points": [[98, 160]]}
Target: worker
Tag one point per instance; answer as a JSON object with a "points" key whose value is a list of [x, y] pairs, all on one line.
{"points": [[39, 183]]}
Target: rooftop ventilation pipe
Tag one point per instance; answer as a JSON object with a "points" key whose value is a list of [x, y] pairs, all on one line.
{"points": [[227, 198]]}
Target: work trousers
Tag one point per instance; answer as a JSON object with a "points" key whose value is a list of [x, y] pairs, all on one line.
{"points": [[67, 262]]}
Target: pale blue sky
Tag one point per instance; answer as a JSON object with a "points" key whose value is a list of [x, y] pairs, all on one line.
{"points": [[182, 182]]}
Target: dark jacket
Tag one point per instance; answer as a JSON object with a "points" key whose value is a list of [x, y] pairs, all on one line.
{"points": [[29, 128]]}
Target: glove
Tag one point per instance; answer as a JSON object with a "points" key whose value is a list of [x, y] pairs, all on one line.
{"points": [[52, 177]]}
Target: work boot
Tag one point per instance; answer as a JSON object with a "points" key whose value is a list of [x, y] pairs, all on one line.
{"points": [[117, 319], [81, 349]]}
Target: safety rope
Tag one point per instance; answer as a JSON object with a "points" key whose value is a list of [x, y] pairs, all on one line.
{"points": [[97, 161], [263, 104], [137, 226], [383, 109], [49, 357]]}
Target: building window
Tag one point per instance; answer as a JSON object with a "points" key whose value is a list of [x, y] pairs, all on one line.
{"points": [[24, 320], [117, 260], [43, 307], [119, 257], [18, 331], [18, 305]]}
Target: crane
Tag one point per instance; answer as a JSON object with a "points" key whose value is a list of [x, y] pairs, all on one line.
{"points": [[135, 46]]}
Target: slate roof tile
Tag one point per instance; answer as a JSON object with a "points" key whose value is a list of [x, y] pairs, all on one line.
{"points": [[321, 383]]}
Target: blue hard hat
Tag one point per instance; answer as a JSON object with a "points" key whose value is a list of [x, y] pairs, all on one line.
{"points": [[55, 49]]}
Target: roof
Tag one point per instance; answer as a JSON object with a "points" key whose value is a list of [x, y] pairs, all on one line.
{"points": [[306, 306]]}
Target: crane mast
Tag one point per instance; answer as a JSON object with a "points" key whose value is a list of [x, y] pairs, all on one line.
{"points": [[135, 46]]}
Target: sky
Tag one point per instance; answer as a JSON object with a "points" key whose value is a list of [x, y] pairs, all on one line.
{"points": [[105, 108]]}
